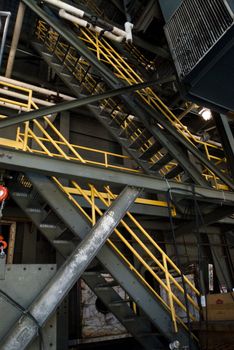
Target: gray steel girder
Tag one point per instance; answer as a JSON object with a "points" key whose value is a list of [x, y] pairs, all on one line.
{"points": [[110, 78], [21, 161], [227, 138], [25, 329], [71, 217], [185, 143], [64, 106], [32, 204]]}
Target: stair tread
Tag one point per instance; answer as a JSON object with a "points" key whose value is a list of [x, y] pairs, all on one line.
{"points": [[162, 162], [150, 151]]}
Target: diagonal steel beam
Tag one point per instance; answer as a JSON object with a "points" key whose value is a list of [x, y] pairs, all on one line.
{"points": [[107, 74], [113, 263], [175, 150], [72, 38], [227, 139], [26, 329], [214, 216], [64, 106], [185, 143], [22, 161]]}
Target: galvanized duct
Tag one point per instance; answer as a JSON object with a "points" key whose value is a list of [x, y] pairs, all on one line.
{"points": [[194, 29]]}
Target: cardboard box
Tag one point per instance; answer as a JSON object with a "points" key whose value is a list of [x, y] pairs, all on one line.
{"points": [[220, 307]]}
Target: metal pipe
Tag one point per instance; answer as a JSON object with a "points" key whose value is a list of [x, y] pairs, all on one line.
{"points": [[4, 35], [81, 14], [86, 24], [35, 88], [73, 104], [12, 106], [25, 97], [63, 5], [73, 40], [46, 303], [15, 39]]}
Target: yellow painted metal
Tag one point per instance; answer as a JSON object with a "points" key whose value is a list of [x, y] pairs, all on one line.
{"points": [[89, 196], [172, 308], [11, 143], [149, 238], [75, 155], [112, 196], [107, 54], [93, 205], [124, 69]]}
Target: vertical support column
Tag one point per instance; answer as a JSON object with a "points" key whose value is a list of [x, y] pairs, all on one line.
{"points": [[227, 139], [65, 124], [26, 329], [15, 39], [220, 263]]}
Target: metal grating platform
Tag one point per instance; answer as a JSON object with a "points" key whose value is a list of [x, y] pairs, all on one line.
{"points": [[195, 27]]}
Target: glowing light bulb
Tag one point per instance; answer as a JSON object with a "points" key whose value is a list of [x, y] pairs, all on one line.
{"points": [[206, 114]]}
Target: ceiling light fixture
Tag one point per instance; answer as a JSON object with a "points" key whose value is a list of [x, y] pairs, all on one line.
{"points": [[205, 113]]}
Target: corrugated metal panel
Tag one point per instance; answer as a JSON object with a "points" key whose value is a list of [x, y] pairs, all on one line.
{"points": [[194, 29]]}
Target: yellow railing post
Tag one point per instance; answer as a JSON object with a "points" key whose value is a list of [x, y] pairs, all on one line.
{"points": [[93, 205], [26, 129], [169, 294]]}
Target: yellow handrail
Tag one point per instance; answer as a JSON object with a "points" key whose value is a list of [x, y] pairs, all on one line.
{"points": [[109, 55], [163, 266], [28, 135]]}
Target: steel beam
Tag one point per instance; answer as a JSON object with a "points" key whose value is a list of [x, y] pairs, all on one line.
{"points": [[64, 106], [208, 219], [72, 38], [21, 161], [220, 263], [185, 143], [73, 218], [26, 328], [227, 139], [177, 152], [107, 74]]}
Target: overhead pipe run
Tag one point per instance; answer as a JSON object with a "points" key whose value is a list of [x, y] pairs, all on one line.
{"points": [[75, 104], [36, 89], [23, 97], [86, 24], [4, 34], [97, 25]]}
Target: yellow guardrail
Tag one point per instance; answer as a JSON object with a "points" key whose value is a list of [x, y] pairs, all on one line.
{"points": [[111, 197], [108, 55], [62, 148], [140, 245], [27, 139]]}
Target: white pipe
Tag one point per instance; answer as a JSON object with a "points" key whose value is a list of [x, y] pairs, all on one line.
{"points": [[86, 24], [25, 97], [116, 34], [11, 106], [35, 88], [128, 29], [67, 7], [15, 39], [4, 34]]}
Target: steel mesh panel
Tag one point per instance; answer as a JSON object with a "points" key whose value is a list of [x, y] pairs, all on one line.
{"points": [[194, 29]]}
